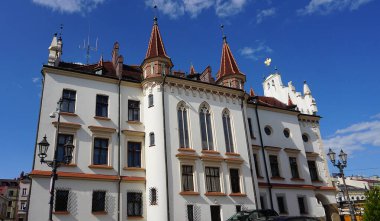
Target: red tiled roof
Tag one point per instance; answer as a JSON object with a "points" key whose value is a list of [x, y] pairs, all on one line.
{"points": [[156, 46], [290, 102], [228, 63], [130, 72], [272, 102]]}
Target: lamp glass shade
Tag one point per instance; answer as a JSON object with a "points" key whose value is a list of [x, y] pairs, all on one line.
{"points": [[343, 156], [69, 148], [43, 147], [331, 154]]}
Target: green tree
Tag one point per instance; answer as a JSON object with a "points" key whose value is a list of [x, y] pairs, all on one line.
{"points": [[372, 205]]}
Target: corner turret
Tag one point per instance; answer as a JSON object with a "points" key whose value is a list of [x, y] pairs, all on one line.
{"points": [[55, 51]]}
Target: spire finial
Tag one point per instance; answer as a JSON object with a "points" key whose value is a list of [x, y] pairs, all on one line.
{"points": [[155, 14], [60, 31], [223, 35]]}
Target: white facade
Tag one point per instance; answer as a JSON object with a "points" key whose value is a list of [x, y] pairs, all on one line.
{"points": [[223, 174]]}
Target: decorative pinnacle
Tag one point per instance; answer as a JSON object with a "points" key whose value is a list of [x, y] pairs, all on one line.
{"points": [[223, 35], [155, 14], [304, 81]]}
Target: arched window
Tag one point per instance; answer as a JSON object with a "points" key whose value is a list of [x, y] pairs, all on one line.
{"points": [[227, 131], [183, 126], [206, 129]]}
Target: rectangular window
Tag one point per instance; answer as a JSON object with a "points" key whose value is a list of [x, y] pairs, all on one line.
{"points": [[183, 127], [61, 200], [23, 191], [99, 201], [134, 154], [153, 196], [281, 204], [274, 166], [151, 139], [294, 167], [235, 180], [133, 110], [100, 151], [250, 128], [150, 100], [313, 170], [101, 106], [255, 159], [213, 179], [302, 204], [215, 213], [238, 208], [187, 178], [190, 213], [23, 206], [62, 140], [10, 203], [134, 204], [10, 193], [262, 202], [68, 101]]}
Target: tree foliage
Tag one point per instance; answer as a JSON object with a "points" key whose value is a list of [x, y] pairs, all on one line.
{"points": [[372, 205]]}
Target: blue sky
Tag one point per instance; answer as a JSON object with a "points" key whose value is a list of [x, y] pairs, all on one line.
{"points": [[333, 44]]}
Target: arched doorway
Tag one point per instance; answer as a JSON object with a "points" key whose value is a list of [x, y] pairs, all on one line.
{"points": [[331, 209]]}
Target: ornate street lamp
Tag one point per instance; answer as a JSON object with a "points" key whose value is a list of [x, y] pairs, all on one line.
{"points": [[342, 163], [43, 147]]}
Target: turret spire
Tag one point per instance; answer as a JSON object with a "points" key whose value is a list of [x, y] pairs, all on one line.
{"points": [[156, 46], [306, 89], [252, 92]]}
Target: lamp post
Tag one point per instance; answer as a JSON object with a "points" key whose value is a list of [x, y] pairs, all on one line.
{"points": [[43, 147], [341, 164]]}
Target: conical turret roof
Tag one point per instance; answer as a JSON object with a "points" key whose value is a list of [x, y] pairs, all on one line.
{"points": [[156, 46], [228, 65]]}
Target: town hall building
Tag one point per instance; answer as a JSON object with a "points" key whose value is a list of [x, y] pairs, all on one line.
{"points": [[152, 143]]}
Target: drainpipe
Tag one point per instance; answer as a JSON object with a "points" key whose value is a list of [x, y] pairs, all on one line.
{"points": [[249, 149], [165, 147], [118, 152], [265, 160]]}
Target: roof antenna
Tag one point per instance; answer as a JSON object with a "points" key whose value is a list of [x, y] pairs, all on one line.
{"points": [[223, 35], [86, 46]]}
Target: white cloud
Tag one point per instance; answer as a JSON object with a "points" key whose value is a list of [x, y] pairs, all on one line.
{"points": [[376, 116], [225, 8], [70, 6], [328, 6], [261, 50], [176, 8], [264, 14], [356, 137], [35, 79]]}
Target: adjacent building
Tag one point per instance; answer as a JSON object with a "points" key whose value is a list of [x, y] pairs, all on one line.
{"points": [[152, 143], [9, 193]]}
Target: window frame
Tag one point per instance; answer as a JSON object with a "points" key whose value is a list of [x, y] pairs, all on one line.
{"points": [[251, 133], [152, 139], [100, 104], [278, 165], [192, 212], [192, 176], [139, 201], [134, 111], [71, 102], [97, 200], [65, 206], [239, 180], [150, 100], [134, 152], [285, 207], [294, 168], [61, 146], [219, 178], [102, 149], [183, 125], [228, 131], [316, 170], [304, 203], [206, 128]]}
